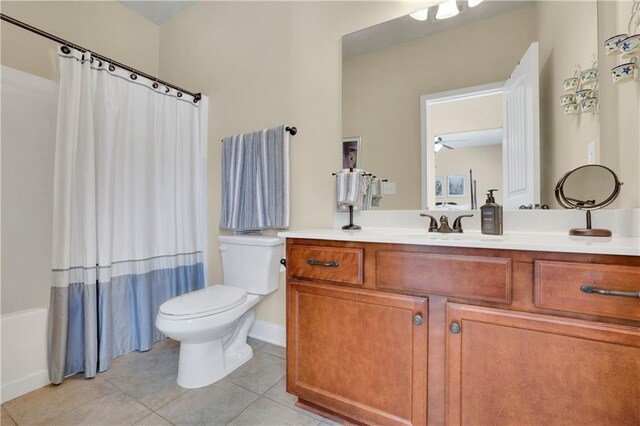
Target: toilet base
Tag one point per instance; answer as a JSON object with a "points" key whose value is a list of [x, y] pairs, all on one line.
{"points": [[204, 363]]}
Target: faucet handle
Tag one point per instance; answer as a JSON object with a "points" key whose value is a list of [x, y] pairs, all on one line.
{"points": [[433, 225], [457, 224]]}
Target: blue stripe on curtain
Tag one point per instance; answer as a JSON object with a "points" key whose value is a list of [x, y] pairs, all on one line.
{"points": [[127, 306]]}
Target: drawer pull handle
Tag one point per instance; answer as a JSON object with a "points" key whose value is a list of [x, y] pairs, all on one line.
{"points": [[592, 289], [326, 264], [417, 320], [454, 328]]}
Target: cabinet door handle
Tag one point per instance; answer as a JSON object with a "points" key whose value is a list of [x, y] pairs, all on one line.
{"points": [[591, 289], [326, 264], [454, 327], [417, 319]]}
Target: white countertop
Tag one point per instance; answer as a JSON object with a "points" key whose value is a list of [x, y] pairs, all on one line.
{"points": [[553, 242]]}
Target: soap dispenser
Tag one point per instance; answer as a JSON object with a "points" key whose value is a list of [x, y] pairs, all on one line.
{"points": [[491, 215]]}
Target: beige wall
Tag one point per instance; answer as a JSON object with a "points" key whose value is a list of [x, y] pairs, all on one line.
{"points": [[382, 90], [264, 64], [109, 29], [568, 35], [104, 26], [481, 113], [620, 108]]}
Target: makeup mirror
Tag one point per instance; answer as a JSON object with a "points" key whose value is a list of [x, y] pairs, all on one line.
{"points": [[589, 187]]}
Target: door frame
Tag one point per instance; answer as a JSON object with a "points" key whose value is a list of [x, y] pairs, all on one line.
{"points": [[426, 146]]}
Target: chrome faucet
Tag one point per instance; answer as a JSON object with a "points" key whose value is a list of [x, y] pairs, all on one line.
{"points": [[444, 227]]}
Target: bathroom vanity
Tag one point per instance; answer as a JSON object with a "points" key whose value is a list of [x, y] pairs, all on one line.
{"points": [[407, 329]]}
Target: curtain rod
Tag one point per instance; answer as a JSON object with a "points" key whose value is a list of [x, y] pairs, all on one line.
{"points": [[292, 131], [9, 19]]}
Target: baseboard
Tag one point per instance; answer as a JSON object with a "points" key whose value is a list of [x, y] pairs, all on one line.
{"points": [[17, 388], [269, 332]]}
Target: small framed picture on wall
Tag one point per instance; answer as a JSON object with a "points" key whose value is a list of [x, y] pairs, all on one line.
{"points": [[439, 186], [351, 156], [455, 186]]}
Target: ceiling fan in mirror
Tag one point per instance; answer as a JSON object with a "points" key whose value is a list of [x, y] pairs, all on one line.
{"points": [[438, 143]]}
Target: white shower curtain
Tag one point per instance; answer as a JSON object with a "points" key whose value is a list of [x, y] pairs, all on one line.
{"points": [[129, 211]]}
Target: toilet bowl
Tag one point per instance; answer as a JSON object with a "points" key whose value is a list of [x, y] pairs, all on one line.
{"points": [[212, 324]]}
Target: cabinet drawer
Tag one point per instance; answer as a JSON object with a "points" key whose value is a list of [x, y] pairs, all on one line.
{"points": [[470, 277], [337, 264], [558, 286]]}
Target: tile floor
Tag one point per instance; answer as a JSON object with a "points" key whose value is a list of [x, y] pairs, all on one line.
{"points": [[140, 388]]}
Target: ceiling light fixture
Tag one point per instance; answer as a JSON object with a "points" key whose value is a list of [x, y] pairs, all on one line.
{"points": [[420, 15], [447, 10], [474, 3]]}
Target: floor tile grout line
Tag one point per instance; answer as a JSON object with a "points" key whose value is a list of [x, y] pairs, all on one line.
{"points": [[139, 401], [163, 417], [224, 379], [145, 405], [130, 396], [9, 414], [246, 408], [95, 399], [173, 399], [290, 408], [73, 409], [259, 394]]}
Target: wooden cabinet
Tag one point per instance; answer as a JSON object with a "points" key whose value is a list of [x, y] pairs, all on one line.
{"points": [[475, 277], [336, 264], [561, 286], [358, 353], [504, 337], [506, 367]]}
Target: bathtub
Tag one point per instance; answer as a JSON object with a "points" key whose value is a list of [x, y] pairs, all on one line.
{"points": [[24, 352]]}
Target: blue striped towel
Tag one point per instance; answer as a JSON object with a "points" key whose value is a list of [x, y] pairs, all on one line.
{"points": [[255, 180]]}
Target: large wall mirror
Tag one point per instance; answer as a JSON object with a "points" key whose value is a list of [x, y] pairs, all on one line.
{"points": [[449, 108]]}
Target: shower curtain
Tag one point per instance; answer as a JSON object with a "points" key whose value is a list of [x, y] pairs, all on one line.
{"points": [[129, 211]]}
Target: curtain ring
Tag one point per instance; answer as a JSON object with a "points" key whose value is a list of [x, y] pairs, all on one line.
{"points": [[166, 90], [134, 76], [65, 50], [112, 68], [155, 84], [179, 94]]}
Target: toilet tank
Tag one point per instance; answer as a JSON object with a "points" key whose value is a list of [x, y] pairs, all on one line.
{"points": [[251, 262]]}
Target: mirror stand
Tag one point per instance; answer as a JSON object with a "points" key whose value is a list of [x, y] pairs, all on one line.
{"points": [[588, 231]]}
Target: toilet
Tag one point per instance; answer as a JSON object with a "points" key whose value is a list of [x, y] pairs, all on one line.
{"points": [[212, 324]]}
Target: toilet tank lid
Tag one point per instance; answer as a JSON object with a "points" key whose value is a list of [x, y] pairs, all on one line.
{"points": [[251, 240]]}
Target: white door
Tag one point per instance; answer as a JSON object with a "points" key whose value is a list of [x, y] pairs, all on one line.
{"points": [[521, 136]]}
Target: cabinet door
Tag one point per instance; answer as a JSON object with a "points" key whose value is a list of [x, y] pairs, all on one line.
{"points": [[506, 367], [359, 353]]}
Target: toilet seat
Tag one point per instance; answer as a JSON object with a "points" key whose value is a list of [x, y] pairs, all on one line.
{"points": [[208, 301]]}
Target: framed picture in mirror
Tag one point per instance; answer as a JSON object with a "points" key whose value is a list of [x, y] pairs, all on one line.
{"points": [[351, 153], [439, 186], [455, 186]]}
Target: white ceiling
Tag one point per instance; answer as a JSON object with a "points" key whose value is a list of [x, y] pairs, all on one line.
{"points": [[405, 28], [473, 139], [158, 12]]}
